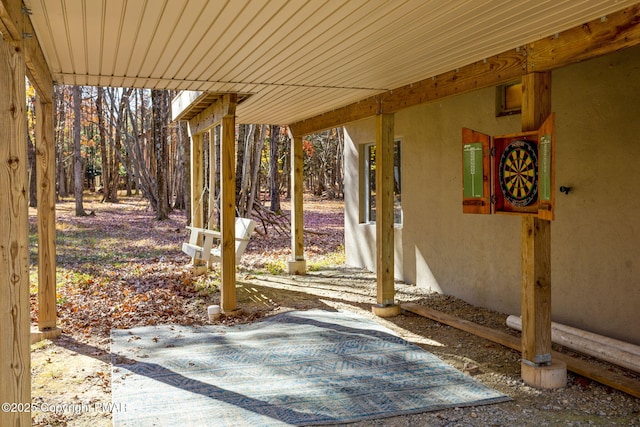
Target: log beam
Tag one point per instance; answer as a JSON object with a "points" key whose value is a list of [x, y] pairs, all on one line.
{"points": [[576, 364], [297, 263], [15, 377]]}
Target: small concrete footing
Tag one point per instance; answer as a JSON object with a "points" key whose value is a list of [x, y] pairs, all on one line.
{"points": [[298, 267], [386, 310], [547, 377], [47, 334]]}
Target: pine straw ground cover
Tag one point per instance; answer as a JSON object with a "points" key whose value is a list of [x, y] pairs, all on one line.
{"points": [[121, 268]]}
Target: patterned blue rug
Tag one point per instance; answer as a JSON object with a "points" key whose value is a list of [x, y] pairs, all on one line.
{"points": [[297, 368]]}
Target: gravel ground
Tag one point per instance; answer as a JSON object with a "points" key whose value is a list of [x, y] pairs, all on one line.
{"points": [[581, 403]]}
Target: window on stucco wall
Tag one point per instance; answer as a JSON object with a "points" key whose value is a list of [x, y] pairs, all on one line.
{"points": [[508, 99], [369, 173]]}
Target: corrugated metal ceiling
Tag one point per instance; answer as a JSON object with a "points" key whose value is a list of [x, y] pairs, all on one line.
{"points": [[297, 58]]}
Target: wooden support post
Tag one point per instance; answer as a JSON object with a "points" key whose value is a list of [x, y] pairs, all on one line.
{"points": [[536, 290], [537, 367], [197, 181], [197, 187], [212, 176], [384, 217], [212, 181], [228, 204], [297, 263], [45, 176], [15, 357]]}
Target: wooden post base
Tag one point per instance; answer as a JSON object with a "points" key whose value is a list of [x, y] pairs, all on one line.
{"points": [[232, 313], [547, 377], [199, 270], [386, 310], [38, 335], [297, 267]]}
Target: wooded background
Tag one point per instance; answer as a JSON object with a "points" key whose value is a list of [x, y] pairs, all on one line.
{"points": [[121, 141]]}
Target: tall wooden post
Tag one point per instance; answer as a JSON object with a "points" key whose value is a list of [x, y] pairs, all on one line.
{"points": [[384, 217], [45, 176], [228, 204], [15, 358], [212, 176], [197, 180], [297, 263], [537, 367]]}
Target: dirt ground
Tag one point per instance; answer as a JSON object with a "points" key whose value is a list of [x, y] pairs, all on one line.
{"points": [[71, 375], [77, 372]]}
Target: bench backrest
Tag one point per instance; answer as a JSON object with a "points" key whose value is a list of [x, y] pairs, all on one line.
{"points": [[244, 228]]}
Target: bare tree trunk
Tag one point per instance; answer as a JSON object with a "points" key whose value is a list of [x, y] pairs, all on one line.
{"points": [[31, 150], [273, 169], [59, 126], [128, 179], [285, 178], [120, 130], [141, 131], [340, 162], [111, 159], [159, 108], [183, 191], [138, 150], [242, 153], [68, 138], [106, 181], [255, 170], [325, 163], [246, 132], [77, 154]]}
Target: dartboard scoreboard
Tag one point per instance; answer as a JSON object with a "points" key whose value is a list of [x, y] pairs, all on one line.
{"points": [[511, 174]]}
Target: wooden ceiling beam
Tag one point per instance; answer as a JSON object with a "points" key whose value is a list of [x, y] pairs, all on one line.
{"points": [[225, 106], [605, 35], [599, 37], [360, 110], [37, 67], [11, 19], [16, 28], [499, 69]]}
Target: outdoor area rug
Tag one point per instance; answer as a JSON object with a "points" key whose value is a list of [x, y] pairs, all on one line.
{"points": [[296, 368]]}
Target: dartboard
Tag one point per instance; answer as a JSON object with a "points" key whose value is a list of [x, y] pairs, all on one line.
{"points": [[518, 173]]}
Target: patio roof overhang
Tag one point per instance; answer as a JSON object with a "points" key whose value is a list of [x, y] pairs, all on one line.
{"points": [[308, 64], [297, 59]]}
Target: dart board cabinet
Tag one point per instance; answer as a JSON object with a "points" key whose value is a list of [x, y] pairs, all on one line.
{"points": [[511, 174]]}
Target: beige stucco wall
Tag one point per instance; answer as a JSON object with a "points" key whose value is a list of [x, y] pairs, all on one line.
{"points": [[595, 237]]}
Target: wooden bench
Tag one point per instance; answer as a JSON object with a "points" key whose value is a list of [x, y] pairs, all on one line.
{"points": [[209, 250]]}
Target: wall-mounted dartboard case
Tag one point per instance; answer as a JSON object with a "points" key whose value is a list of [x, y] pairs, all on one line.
{"points": [[510, 174]]}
